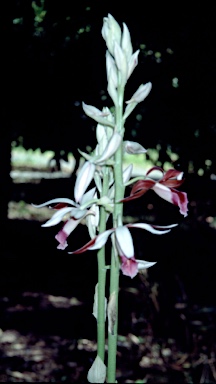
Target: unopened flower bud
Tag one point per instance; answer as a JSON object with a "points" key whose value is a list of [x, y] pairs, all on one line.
{"points": [[141, 93], [121, 62], [132, 148], [133, 61], [111, 32], [126, 42], [97, 115]]}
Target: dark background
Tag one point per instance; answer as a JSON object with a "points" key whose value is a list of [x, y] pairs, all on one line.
{"points": [[52, 61]]}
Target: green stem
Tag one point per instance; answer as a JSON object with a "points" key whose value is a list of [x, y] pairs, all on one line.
{"points": [[102, 277], [114, 270], [113, 337]]}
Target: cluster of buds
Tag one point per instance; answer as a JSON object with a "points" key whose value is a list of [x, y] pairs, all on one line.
{"points": [[120, 63]]}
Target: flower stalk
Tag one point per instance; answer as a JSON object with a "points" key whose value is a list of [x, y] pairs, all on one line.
{"points": [[104, 167]]}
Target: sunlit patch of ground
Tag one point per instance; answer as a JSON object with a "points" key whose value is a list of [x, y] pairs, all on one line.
{"points": [[24, 211]]}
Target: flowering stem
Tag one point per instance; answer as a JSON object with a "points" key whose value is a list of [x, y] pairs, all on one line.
{"points": [[102, 277], [117, 220]]}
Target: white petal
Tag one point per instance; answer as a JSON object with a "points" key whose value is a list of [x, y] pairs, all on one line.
{"points": [[101, 240], [111, 148], [83, 180], [124, 242], [57, 200], [57, 217], [70, 226], [142, 264], [150, 228], [127, 173], [88, 196]]}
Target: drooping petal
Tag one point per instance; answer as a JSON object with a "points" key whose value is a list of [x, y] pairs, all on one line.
{"points": [[155, 229], [129, 267], [57, 217], [55, 201], [83, 180], [173, 196], [124, 242], [96, 243], [66, 230], [155, 168], [139, 189]]}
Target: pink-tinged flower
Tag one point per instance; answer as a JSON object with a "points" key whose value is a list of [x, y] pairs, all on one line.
{"points": [[66, 230], [124, 244], [130, 267], [165, 188], [76, 212]]}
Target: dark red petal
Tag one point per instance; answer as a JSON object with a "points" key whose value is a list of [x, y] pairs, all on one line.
{"points": [[60, 206], [143, 185], [170, 174], [172, 183], [155, 168], [85, 247], [139, 189]]}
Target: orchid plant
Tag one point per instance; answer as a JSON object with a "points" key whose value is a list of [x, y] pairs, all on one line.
{"points": [[104, 167]]}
